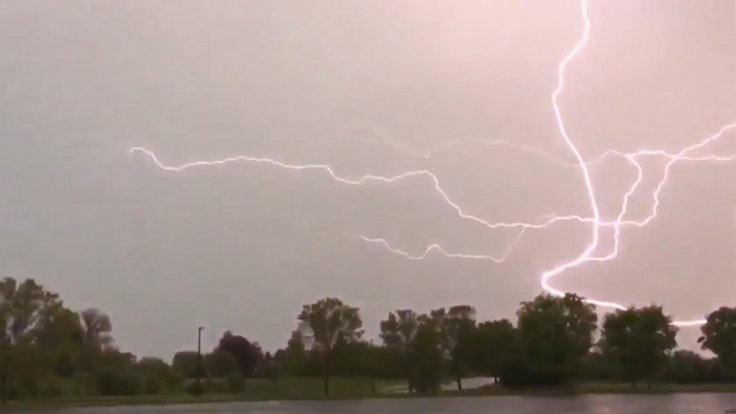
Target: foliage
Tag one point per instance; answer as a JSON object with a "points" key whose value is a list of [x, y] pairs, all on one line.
{"points": [[397, 332], [687, 367], [399, 328], [719, 336], [22, 309], [221, 363], [50, 351], [248, 355], [326, 324], [328, 321], [428, 359], [457, 329], [492, 344], [185, 363], [195, 388], [235, 383], [638, 342], [555, 335], [97, 328]]}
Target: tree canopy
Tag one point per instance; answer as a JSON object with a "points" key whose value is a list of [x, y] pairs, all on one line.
{"points": [[49, 351], [638, 341]]}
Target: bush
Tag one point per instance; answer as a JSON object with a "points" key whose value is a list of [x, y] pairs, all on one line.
{"points": [[52, 387], [516, 373], [220, 364], [109, 383], [151, 385], [194, 388], [175, 381], [83, 384], [235, 383]]}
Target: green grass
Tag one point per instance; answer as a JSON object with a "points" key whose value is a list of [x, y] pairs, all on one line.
{"points": [[256, 389], [358, 388], [586, 388], [312, 388]]}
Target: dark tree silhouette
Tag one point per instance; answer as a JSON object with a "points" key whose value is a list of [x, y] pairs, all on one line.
{"points": [[638, 342], [327, 323], [247, 353], [555, 334], [719, 336], [492, 345]]}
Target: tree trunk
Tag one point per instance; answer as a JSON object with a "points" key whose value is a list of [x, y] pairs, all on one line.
{"points": [[458, 374], [3, 388], [633, 384], [326, 373]]}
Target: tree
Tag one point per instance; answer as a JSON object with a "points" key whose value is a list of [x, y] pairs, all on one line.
{"points": [[153, 374], [719, 336], [185, 363], [397, 333], [247, 353], [58, 334], [427, 353], [457, 327], [399, 328], [97, 328], [269, 368], [21, 308], [326, 323], [28, 321], [221, 363], [292, 360], [687, 367], [58, 327], [638, 342], [555, 335], [492, 345]]}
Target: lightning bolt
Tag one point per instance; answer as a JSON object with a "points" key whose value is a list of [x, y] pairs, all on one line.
{"points": [[492, 142], [587, 254], [447, 145], [439, 249], [594, 220], [359, 181]]}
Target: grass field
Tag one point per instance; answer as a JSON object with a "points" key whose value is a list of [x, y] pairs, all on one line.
{"points": [[256, 389], [359, 388]]}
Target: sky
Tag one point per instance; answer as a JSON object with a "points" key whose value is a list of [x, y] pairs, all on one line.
{"points": [[350, 84]]}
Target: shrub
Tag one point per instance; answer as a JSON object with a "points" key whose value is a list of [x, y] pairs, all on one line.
{"points": [[235, 383], [52, 387], [194, 388]]}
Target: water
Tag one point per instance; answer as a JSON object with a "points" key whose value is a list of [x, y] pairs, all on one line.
{"points": [[590, 404]]}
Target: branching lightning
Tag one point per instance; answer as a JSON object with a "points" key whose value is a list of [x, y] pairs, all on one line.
{"points": [[439, 249], [594, 220]]}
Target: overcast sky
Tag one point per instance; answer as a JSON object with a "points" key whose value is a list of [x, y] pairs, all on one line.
{"points": [[242, 247]]}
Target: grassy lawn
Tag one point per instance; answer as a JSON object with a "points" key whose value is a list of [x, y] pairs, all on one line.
{"points": [[358, 388], [312, 388], [601, 388], [256, 389]]}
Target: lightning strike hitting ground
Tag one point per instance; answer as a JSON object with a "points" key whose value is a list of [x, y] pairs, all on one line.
{"points": [[589, 253]]}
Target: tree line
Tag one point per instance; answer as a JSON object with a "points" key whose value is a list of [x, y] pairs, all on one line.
{"points": [[50, 351]]}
